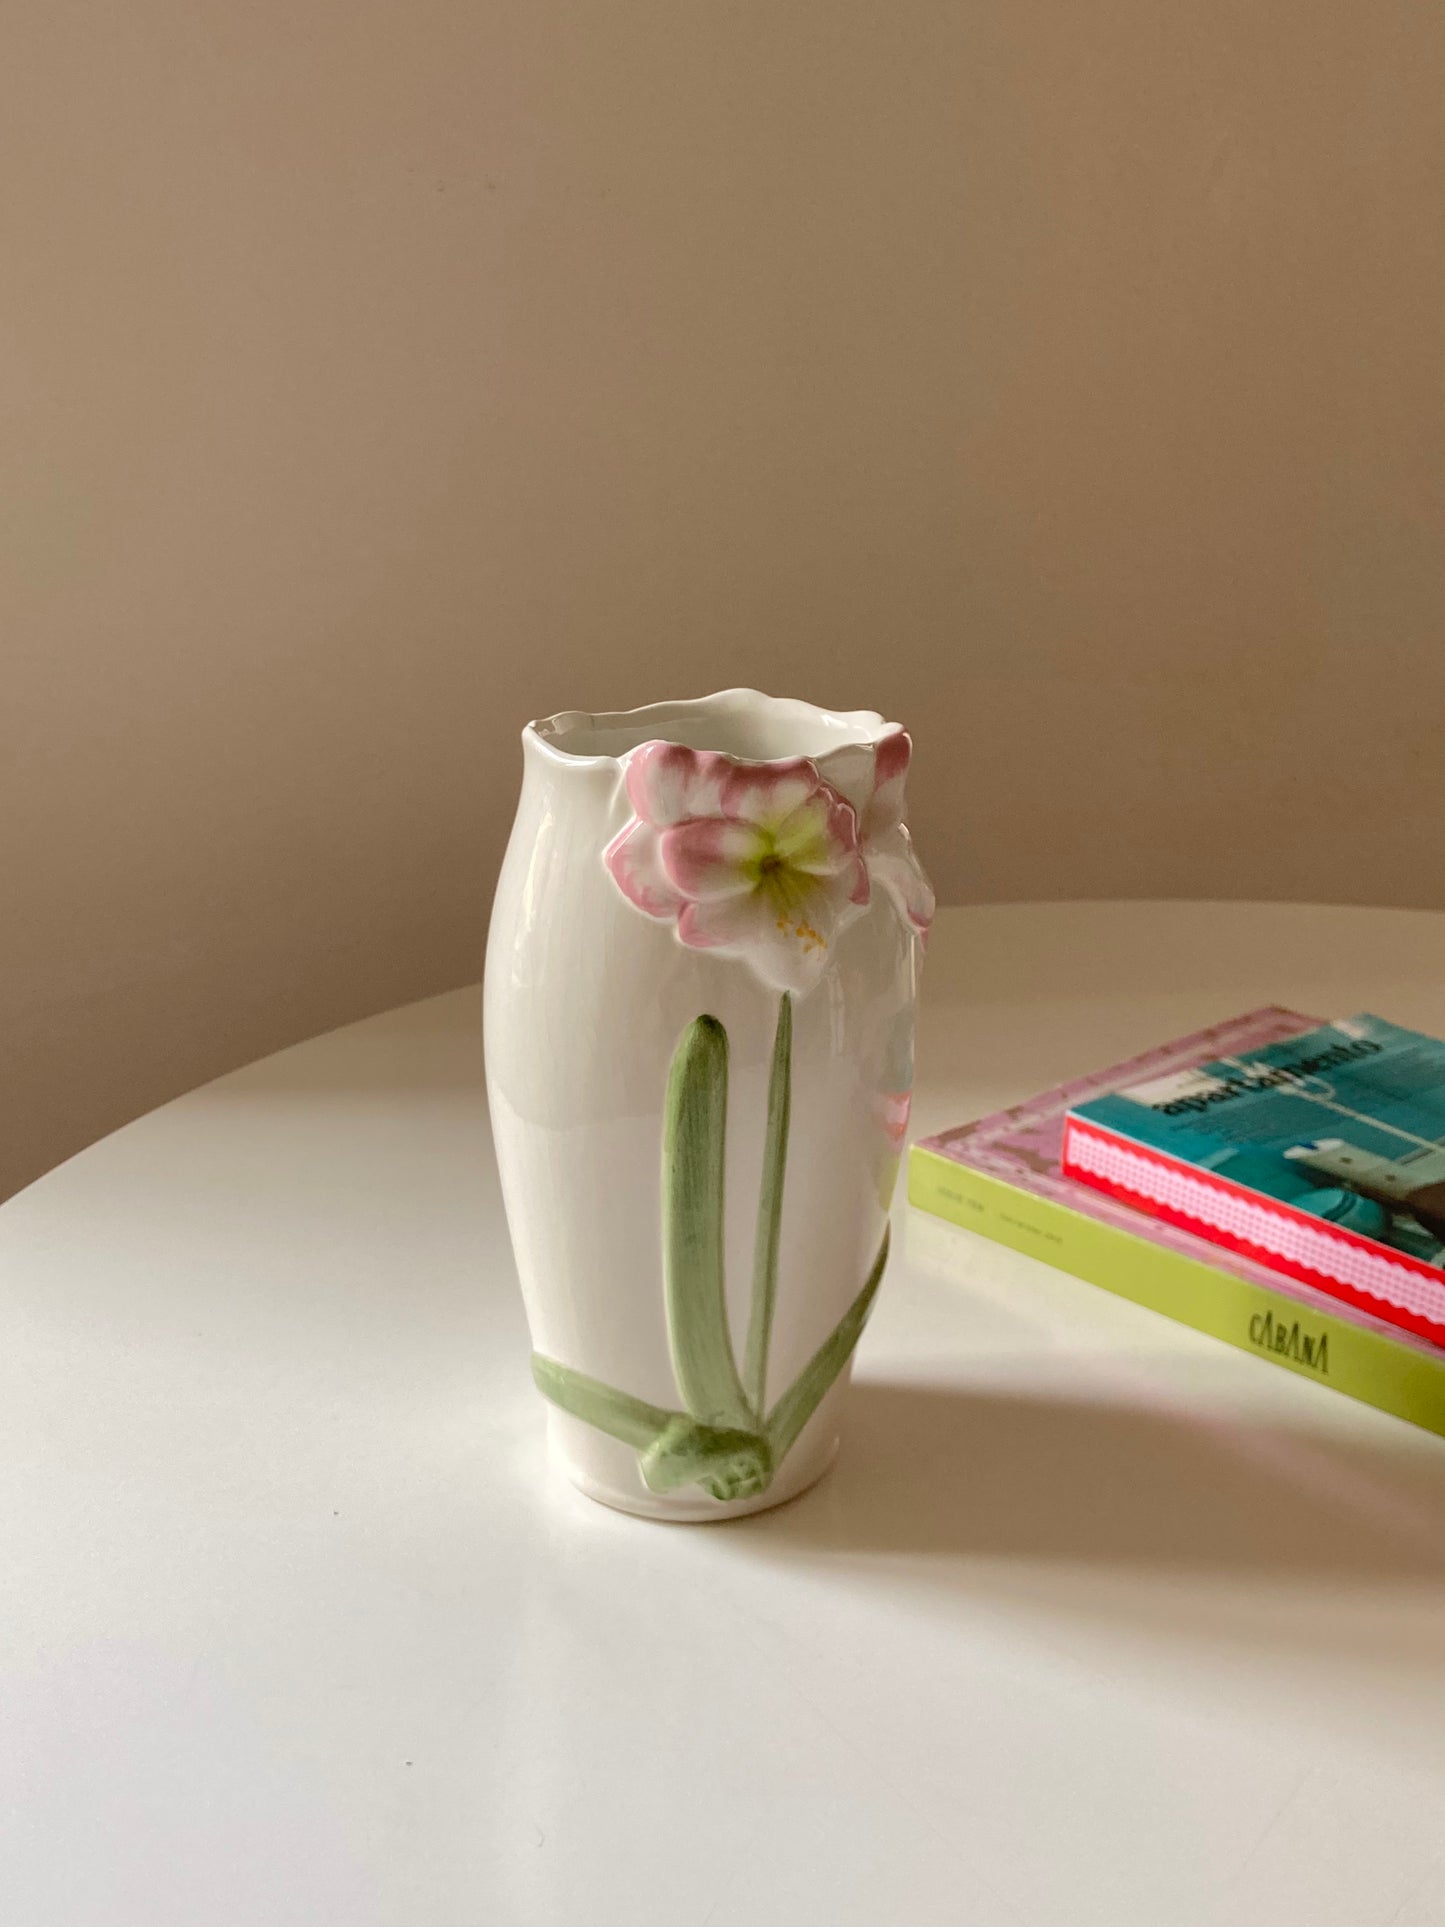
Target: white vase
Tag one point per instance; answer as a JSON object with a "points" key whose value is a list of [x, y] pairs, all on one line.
{"points": [[699, 1020]]}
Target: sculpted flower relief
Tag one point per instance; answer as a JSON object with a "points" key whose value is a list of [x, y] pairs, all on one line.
{"points": [[767, 862]]}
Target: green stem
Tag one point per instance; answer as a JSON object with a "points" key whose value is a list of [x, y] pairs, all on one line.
{"points": [[770, 1212]]}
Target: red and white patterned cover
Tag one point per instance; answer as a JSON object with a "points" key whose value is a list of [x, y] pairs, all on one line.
{"points": [[1393, 1285]]}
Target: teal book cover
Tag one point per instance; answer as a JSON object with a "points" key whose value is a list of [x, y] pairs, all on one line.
{"points": [[1323, 1154]]}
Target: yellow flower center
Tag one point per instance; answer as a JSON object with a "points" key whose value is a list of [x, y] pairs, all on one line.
{"points": [[773, 869]]}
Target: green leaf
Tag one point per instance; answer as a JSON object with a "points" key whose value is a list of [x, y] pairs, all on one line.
{"points": [[693, 1132], [619, 1414], [805, 1394], [770, 1212]]}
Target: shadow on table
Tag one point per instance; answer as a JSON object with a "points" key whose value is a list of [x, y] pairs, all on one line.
{"points": [[985, 1473]]}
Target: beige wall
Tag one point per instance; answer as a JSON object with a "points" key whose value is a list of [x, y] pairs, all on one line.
{"points": [[1065, 379]]}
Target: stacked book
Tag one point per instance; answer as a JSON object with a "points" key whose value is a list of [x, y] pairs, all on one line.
{"points": [[1277, 1182]]}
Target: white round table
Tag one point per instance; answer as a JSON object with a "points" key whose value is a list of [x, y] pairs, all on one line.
{"points": [[1095, 1621]]}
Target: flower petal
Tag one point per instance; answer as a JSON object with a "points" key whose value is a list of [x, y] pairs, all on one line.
{"points": [[820, 836], [632, 859], [892, 1109], [820, 841], [726, 923], [706, 858], [894, 868], [785, 954], [668, 782], [768, 792], [884, 809], [849, 770]]}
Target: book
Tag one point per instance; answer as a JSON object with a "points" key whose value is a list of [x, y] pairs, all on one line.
{"points": [[1321, 1154], [1003, 1177]]}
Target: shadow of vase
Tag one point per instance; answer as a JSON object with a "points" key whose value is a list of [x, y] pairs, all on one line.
{"points": [[971, 1474]]}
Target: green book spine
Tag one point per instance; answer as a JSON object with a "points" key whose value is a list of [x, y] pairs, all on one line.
{"points": [[1398, 1378]]}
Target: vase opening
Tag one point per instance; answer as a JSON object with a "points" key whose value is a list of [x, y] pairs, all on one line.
{"points": [[742, 723]]}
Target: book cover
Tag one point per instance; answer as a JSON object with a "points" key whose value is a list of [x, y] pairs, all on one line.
{"points": [[1002, 1176], [1322, 1155]]}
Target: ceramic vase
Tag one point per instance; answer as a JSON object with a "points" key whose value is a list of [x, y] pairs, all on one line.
{"points": [[700, 988]]}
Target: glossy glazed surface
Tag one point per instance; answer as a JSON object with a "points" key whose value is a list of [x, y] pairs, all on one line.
{"points": [[587, 999]]}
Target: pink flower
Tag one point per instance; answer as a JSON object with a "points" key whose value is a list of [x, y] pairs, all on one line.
{"points": [[754, 860], [768, 861], [872, 777]]}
